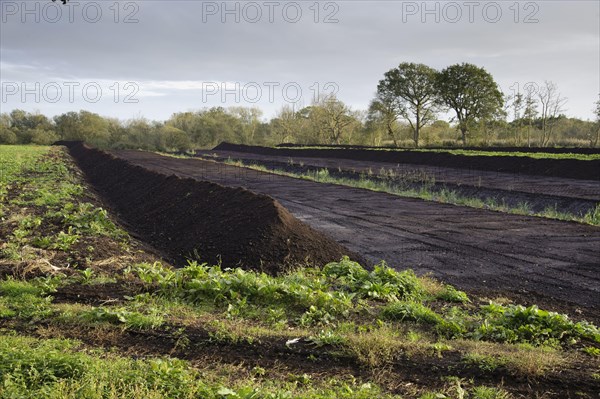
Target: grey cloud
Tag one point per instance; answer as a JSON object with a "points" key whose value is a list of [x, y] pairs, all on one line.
{"points": [[171, 42]]}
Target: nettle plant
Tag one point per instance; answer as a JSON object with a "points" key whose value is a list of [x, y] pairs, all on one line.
{"points": [[516, 323]]}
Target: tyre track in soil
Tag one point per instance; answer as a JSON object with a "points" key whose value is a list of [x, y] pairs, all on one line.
{"points": [[543, 260]]}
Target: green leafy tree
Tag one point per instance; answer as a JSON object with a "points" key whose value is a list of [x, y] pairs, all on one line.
{"points": [[172, 138], [19, 121], [373, 131], [333, 118], [472, 93], [25, 125], [42, 136], [249, 118], [440, 132], [190, 123], [7, 136], [83, 125], [409, 91], [216, 125], [285, 125], [117, 134], [308, 127], [208, 127], [383, 115], [141, 133]]}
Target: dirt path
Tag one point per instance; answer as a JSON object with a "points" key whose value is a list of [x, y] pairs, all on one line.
{"points": [[549, 262]]}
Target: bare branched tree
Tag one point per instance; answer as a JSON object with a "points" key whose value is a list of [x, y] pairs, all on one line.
{"points": [[552, 104]]}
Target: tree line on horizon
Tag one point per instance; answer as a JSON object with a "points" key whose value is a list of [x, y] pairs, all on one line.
{"points": [[404, 113]]}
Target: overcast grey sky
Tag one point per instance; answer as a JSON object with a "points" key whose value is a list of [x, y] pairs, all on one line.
{"points": [[152, 58]]}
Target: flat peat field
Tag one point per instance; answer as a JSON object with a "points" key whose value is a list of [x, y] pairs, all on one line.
{"points": [[515, 184], [548, 262]]}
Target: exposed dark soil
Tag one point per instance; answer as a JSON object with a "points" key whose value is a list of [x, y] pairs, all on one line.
{"points": [[511, 182], [555, 264], [97, 294], [523, 190], [192, 219], [570, 168], [548, 150]]}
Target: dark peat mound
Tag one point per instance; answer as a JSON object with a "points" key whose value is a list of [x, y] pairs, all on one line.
{"points": [[191, 219]]}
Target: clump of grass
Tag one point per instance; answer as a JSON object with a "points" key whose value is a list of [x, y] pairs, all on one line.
{"points": [[445, 292], [377, 346], [15, 288], [25, 300], [121, 315], [411, 311], [484, 362], [458, 388], [451, 294], [519, 359], [593, 216], [301, 291], [327, 337], [489, 393], [53, 368]]}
